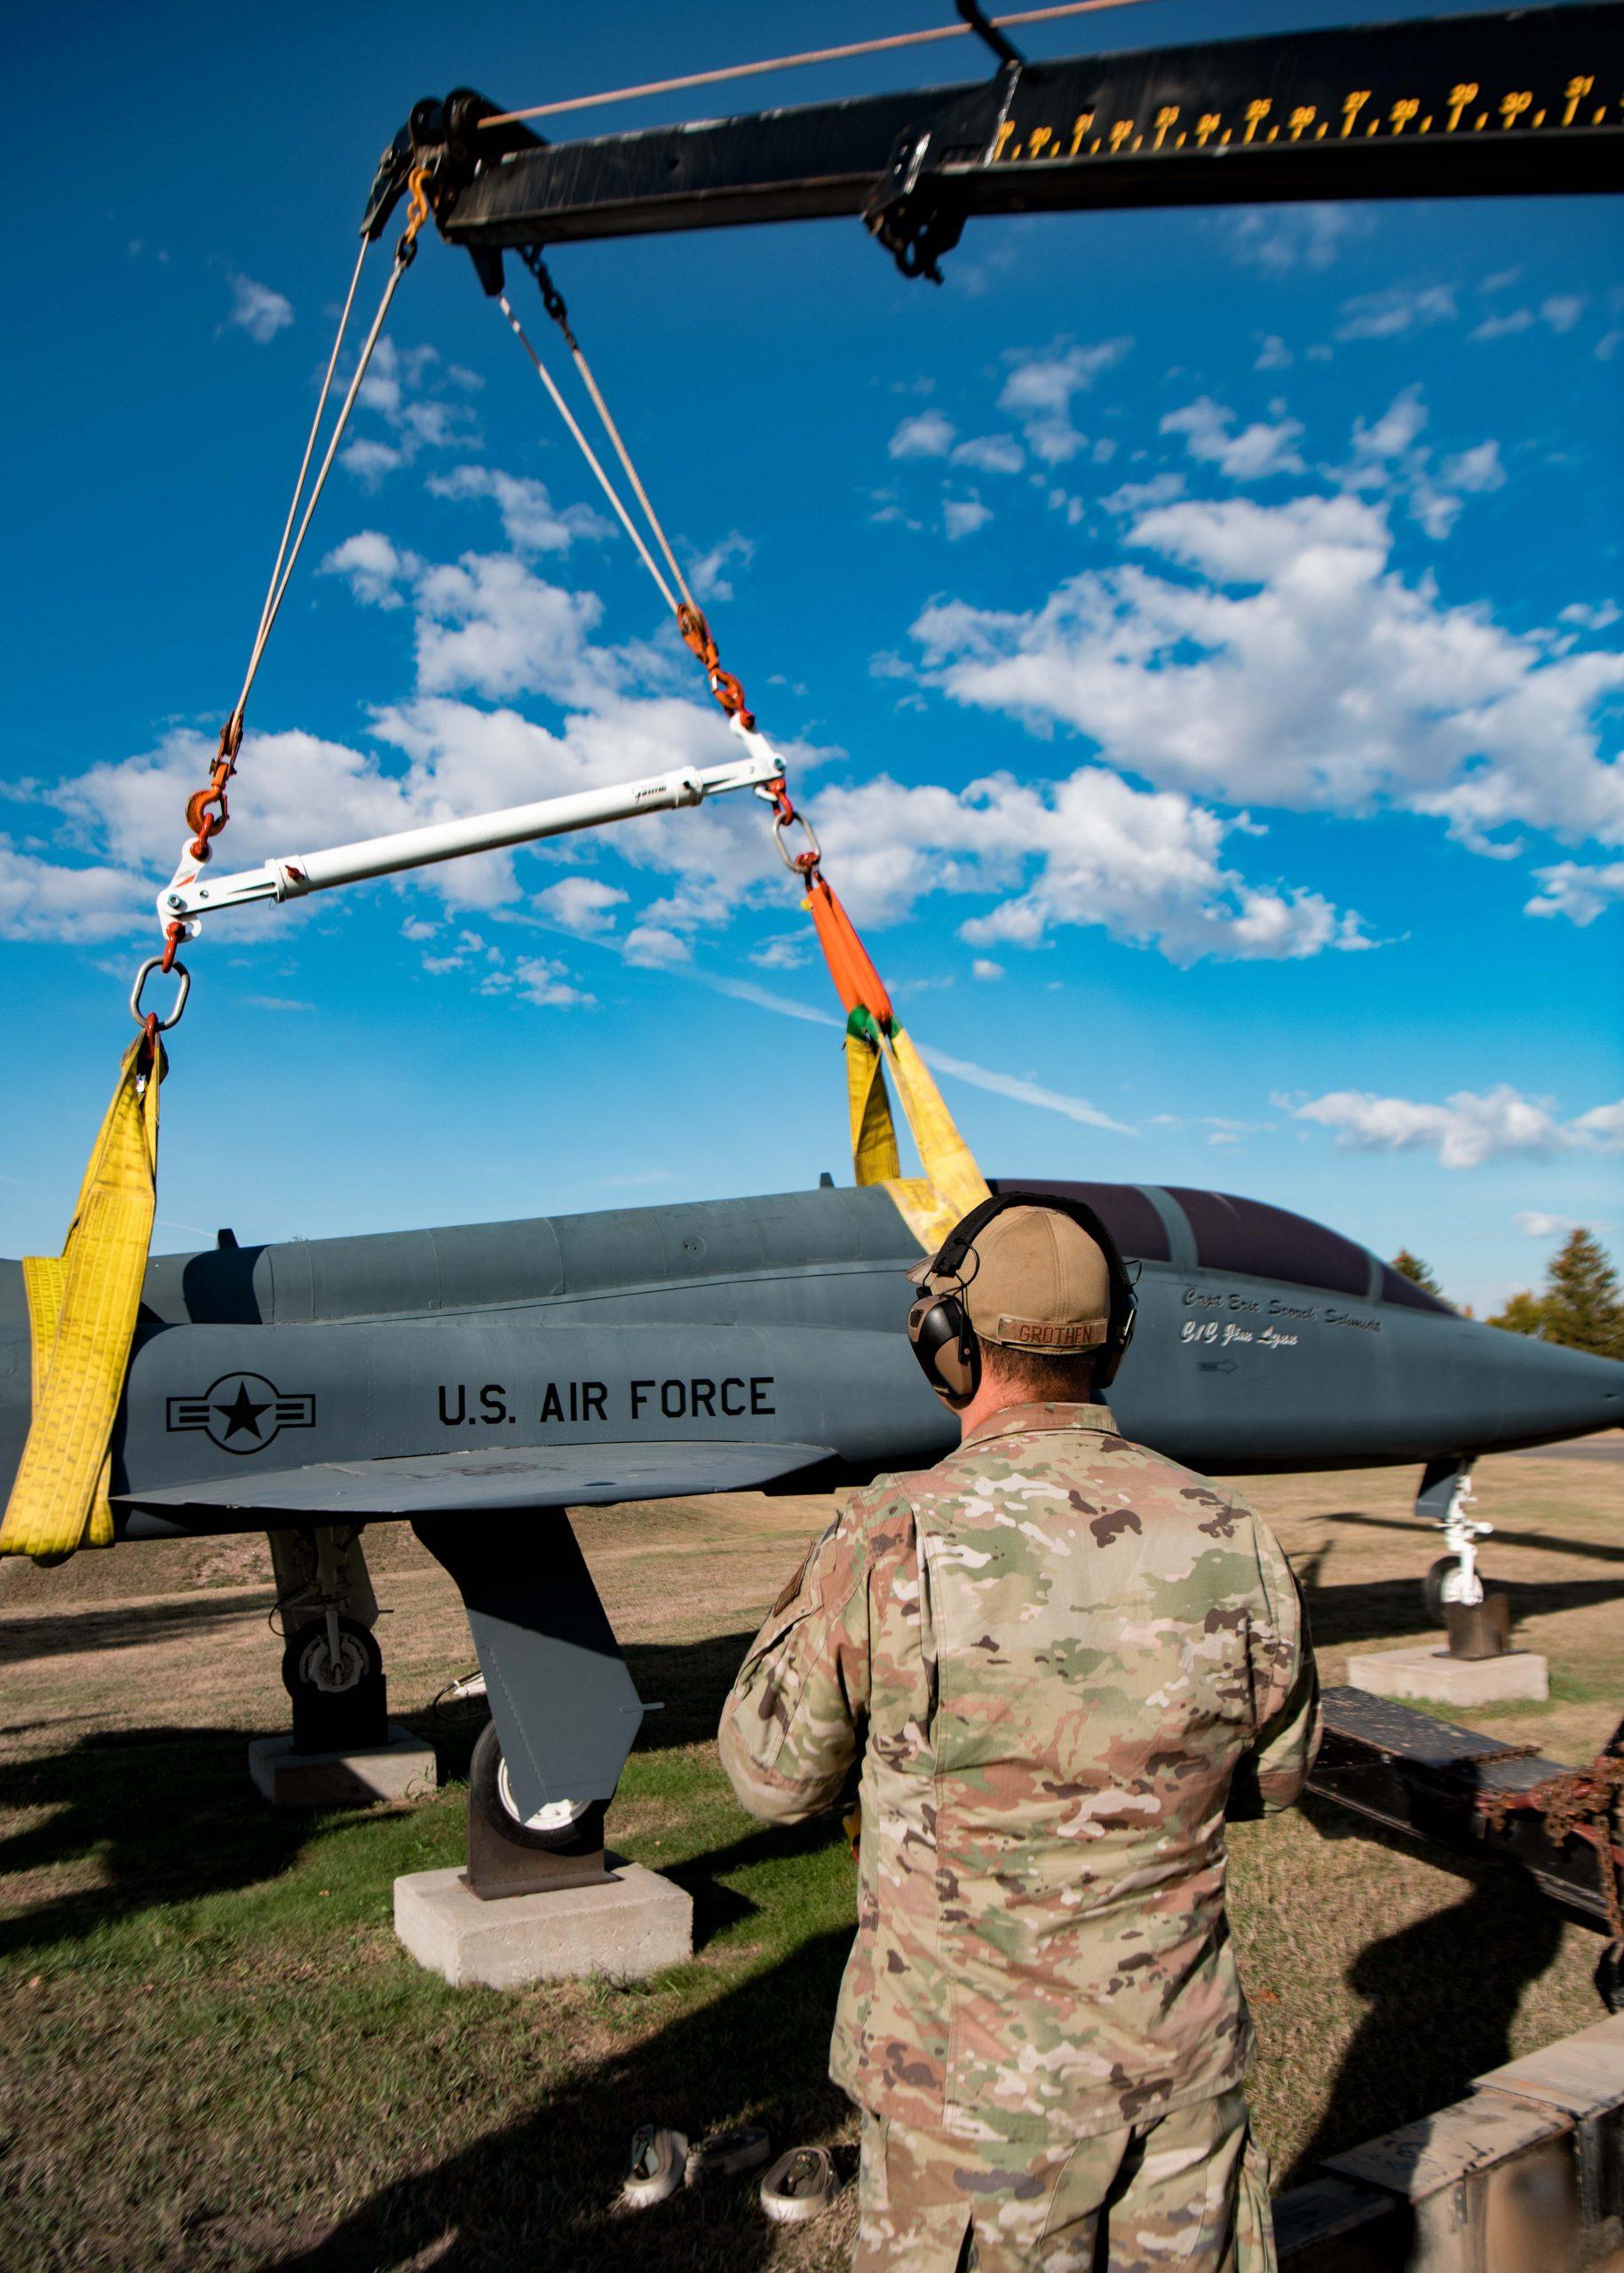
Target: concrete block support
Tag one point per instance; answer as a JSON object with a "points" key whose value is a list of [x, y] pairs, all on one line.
{"points": [[404, 1768], [1423, 1669], [632, 1923]]}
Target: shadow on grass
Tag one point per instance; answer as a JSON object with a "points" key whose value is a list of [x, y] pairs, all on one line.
{"points": [[168, 1813], [1440, 1996], [1377, 1610], [75, 1631], [538, 2192], [170, 1816], [1549, 1542]]}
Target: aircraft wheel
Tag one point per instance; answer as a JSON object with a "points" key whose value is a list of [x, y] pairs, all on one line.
{"points": [[309, 1664], [562, 1827], [1432, 1587]]}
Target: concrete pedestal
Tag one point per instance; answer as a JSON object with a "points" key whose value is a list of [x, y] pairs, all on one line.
{"points": [[1425, 1669], [632, 1923], [404, 1768]]}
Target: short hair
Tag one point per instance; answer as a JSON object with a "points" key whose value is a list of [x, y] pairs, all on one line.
{"points": [[1042, 1377]]}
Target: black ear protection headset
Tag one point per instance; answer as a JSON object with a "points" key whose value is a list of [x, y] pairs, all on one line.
{"points": [[938, 1327]]}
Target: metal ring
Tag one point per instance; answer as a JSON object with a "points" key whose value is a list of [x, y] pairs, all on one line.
{"points": [[797, 863], [151, 963]]}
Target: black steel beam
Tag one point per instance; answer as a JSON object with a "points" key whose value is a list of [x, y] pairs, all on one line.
{"points": [[1448, 107], [1411, 1772]]}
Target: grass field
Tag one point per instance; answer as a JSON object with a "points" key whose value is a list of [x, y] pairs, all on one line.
{"points": [[217, 2055]]}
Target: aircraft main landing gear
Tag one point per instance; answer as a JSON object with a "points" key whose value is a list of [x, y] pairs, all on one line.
{"points": [[560, 1845]]}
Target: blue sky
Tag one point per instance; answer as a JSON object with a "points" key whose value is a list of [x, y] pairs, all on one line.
{"points": [[1195, 636]]}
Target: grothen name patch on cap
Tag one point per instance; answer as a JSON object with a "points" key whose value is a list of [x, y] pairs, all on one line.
{"points": [[1039, 1333]]}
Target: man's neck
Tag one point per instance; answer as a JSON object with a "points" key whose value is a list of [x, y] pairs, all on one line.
{"points": [[993, 1396]]}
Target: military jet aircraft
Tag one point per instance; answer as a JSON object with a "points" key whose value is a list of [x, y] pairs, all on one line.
{"points": [[480, 1380]]}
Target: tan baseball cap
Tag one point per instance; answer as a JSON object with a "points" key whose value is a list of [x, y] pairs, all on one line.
{"points": [[1034, 1280]]}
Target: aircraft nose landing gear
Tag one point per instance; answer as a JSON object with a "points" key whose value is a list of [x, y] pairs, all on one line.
{"points": [[334, 1673], [1480, 1623], [332, 1667]]}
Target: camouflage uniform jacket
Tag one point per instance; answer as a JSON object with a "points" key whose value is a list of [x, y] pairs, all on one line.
{"points": [[1055, 1654]]}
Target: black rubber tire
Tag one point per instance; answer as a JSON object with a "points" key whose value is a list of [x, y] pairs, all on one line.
{"points": [[1432, 1588], [350, 1630], [585, 1836]]}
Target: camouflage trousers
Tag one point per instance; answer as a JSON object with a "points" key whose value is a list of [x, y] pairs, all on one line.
{"points": [[1183, 2193]]}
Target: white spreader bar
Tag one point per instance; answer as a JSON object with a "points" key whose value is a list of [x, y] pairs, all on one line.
{"points": [[192, 893]]}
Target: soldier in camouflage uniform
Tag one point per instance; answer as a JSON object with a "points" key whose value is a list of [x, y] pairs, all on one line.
{"points": [[1061, 1661]]}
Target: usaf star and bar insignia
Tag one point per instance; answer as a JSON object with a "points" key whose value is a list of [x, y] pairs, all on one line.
{"points": [[241, 1413]]}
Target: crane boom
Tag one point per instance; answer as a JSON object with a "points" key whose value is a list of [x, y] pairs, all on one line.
{"points": [[1462, 106]]}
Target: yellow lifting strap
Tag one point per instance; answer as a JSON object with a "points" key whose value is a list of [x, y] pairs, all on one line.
{"points": [[82, 1311], [952, 1184], [874, 1133]]}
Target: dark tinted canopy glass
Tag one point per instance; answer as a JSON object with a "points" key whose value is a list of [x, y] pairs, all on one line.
{"points": [[1397, 1288], [1122, 1208], [1248, 1235]]}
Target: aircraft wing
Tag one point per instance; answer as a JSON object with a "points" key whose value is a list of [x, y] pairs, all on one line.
{"points": [[541, 1476]]}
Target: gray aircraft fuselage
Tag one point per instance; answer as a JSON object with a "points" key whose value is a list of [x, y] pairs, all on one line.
{"points": [[650, 1351]]}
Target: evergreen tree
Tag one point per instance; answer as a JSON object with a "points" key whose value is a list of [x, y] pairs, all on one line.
{"points": [[1524, 1313], [1411, 1266], [1582, 1303]]}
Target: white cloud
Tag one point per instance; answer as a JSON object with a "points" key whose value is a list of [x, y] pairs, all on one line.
{"points": [[984, 967], [964, 516], [1388, 456], [42, 899], [1273, 354], [1401, 308], [530, 521], [656, 946], [487, 626], [1561, 311], [991, 454], [1580, 893], [1134, 496], [369, 460], [258, 311], [373, 568], [708, 574], [1475, 470], [1255, 453], [582, 904], [1301, 670], [1021, 1090], [1467, 1128], [961, 1069], [1539, 1225], [1279, 239], [406, 391], [1503, 327], [539, 980], [1090, 850], [1393, 435], [927, 434], [1040, 389]]}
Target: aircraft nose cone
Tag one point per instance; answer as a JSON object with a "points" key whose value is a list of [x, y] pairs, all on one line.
{"points": [[1547, 1392]]}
